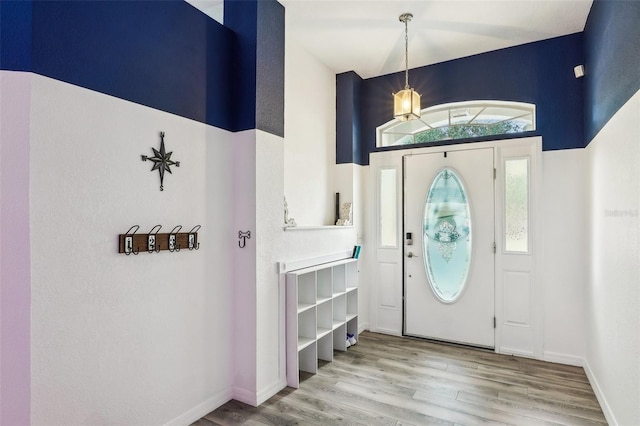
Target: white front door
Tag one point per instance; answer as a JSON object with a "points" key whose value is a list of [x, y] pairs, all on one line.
{"points": [[449, 259]]}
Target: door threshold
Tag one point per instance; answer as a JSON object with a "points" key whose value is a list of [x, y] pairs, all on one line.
{"points": [[491, 349]]}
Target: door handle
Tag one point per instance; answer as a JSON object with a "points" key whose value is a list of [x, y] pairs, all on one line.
{"points": [[410, 254]]}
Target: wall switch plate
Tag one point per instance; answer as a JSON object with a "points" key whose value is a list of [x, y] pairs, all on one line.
{"points": [[172, 242]]}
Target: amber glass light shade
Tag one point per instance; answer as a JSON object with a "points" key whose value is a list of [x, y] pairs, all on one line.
{"points": [[406, 105]]}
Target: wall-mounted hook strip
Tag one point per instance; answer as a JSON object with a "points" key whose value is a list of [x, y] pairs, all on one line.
{"points": [[173, 239], [128, 241], [152, 239], [243, 236], [193, 243], [131, 242]]}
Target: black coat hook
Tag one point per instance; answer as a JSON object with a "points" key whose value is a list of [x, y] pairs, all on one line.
{"points": [[243, 236]]}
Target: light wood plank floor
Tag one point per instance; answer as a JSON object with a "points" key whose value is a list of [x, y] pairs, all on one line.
{"points": [[387, 380]]}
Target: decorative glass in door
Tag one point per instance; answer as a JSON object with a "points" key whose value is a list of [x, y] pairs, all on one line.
{"points": [[447, 236]]}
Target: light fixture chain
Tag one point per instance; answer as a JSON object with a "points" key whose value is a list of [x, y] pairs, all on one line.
{"points": [[406, 53]]}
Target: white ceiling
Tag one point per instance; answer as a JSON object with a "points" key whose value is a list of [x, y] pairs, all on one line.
{"points": [[366, 36]]}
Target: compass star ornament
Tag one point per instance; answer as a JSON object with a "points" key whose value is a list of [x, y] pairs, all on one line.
{"points": [[161, 160]]}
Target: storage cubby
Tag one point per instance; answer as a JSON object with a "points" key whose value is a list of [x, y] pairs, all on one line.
{"points": [[322, 307], [351, 275], [339, 309], [325, 319], [325, 347], [309, 359], [352, 303], [339, 280], [340, 337], [325, 285], [352, 327], [307, 328], [306, 291]]}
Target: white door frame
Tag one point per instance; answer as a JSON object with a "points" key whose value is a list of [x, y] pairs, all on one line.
{"points": [[386, 310]]}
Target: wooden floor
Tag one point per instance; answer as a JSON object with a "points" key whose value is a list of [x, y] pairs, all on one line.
{"points": [[386, 380]]}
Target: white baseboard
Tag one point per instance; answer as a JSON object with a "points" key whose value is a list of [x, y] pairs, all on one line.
{"points": [[246, 396], [201, 410], [562, 358], [386, 331], [606, 409], [269, 391], [363, 327], [257, 398], [516, 352]]}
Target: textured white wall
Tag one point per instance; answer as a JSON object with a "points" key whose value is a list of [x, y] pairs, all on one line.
{"points": [[244, 262], [15, 262], [613, 289], [310, 137], [562, 266], [258, 307], [125, 339]]}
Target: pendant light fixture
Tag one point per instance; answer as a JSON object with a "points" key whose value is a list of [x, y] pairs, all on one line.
{"points": [[406, 103]]}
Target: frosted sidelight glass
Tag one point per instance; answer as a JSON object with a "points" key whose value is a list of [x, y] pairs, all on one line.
{"points": [[388, 208], [447, 236], [516, 174]]}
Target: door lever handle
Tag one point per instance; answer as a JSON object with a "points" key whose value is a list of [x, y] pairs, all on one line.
{"points": [[410, 254]]}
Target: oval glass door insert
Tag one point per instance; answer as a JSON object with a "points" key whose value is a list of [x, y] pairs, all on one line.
{"points": [[447, 236]]}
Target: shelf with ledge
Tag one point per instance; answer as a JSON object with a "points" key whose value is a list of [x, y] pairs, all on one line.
{"points": [[316, 228]]}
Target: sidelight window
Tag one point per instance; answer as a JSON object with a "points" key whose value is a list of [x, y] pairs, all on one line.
{"points": [[516, 215]]}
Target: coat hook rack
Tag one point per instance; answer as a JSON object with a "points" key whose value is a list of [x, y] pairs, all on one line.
{"points": [[155, 242], [243, 236]]}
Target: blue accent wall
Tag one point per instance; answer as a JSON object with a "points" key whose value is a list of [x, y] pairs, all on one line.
{"points": [[270, 68], [15, 35], [241, 17], [348, 113], [259, 68], [540, 73], [155, 54], [166, 55], [612, 60]]}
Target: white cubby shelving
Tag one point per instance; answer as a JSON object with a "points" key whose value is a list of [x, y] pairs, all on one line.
{"points": [[322, 307]]}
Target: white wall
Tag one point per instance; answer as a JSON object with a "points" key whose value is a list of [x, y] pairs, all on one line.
{"points": [[310, 137], [125, 339], [15, 253], [613, 289], [562, 267], [244, 263], [259, 291]]}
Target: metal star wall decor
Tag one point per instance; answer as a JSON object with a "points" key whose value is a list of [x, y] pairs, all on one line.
{"points": [[161, 160]]}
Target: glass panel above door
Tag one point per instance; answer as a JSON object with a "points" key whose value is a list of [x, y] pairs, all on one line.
{"points": [[447, 236]]}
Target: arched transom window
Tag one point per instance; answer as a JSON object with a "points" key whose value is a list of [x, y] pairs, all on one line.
{"points": [[460, 120]]}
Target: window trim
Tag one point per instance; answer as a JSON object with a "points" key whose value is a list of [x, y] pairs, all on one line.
{"points": [[519, 110]]}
